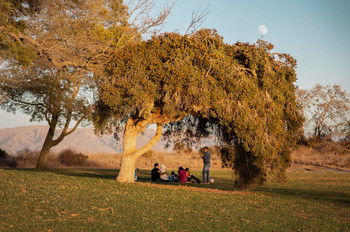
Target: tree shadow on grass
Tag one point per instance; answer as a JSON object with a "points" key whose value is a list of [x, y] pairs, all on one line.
{"points": [[81, 172], [220, 183], [143, 176], [342, 198]]}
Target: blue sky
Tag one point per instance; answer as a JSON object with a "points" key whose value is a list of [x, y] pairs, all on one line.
{"points": [[315, 32]]}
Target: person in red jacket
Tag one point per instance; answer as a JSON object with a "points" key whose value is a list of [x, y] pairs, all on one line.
{"points": [[182, 175]]}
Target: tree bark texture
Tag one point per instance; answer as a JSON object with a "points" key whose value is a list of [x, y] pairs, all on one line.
{"points": [[45, 150], [131, 130]]}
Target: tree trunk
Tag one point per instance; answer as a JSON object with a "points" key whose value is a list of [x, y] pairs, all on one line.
{"points": [[48, 144], [127, 170], [131, 130], [45, 150], [130, 154]]}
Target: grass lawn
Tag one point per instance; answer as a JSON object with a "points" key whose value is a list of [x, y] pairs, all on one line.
{"points": [[90, 200]]}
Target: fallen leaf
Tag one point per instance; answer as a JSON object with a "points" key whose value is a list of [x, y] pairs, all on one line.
{"points": [[105, 209]]}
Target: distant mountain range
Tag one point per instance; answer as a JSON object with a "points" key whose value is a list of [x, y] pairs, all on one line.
{"points": [[84, 140]]}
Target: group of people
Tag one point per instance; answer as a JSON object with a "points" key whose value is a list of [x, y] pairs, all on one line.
{"points": [[159, 173]]}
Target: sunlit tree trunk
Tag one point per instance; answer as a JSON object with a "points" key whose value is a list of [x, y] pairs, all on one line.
{"points": [[130, 154], [131, 130], [127, 170]]}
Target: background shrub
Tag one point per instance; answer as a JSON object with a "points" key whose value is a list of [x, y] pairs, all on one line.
{"points": [[148, 154], [71, 158], [6, 160], [27, 158]]}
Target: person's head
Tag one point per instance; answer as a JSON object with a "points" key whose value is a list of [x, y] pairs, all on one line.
{"points": [[187, 169], [172, 173], [156, 165], [181, 168], [205, 149]]}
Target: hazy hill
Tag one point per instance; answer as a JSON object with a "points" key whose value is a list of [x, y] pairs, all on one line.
{"points": [[83, 140]]}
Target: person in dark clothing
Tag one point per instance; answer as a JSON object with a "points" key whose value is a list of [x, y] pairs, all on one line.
{"points": [[206, 165], [155, 173], [174, 177], [191, 177]]}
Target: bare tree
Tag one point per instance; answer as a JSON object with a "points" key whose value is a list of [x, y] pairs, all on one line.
{"points": [[326, 109]]}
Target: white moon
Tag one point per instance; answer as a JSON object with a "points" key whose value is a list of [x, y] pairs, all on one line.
{"points": [[262, 30]]}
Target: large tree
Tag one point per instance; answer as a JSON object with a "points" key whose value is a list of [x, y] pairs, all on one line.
{"points": [[242, 93], [53, 53]]}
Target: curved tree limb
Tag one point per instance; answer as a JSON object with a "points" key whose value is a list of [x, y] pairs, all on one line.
{"points": [[148, 146]]}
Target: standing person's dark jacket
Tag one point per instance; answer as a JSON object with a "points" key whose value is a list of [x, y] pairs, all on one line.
{"points": [[206, 157]]}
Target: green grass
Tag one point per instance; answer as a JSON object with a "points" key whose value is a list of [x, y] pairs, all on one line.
{"points": [[90, 200]]}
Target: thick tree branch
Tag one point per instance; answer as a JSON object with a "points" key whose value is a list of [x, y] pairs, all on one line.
{"points": [[44, 51], [150, 143]]}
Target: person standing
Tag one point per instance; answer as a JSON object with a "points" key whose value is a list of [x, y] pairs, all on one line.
{"points": [[206, 165]]}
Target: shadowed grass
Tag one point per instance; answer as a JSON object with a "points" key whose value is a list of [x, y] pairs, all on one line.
{"points": [[91, 200]]}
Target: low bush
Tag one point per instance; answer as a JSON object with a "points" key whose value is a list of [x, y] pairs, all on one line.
{"points": [[3, 153], [27, 158], [69, 157], [6, 160]]}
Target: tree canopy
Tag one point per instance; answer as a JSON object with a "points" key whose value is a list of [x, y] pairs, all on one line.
{"points": [[242, 93], [53, 52]]}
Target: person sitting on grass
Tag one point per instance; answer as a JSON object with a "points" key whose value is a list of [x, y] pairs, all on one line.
{"points": [[182, 175], [190, 177], [174, 177], [155, 173], [163, 174]]}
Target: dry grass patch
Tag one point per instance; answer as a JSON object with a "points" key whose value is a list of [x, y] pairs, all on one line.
{"points": [[324, 156]]}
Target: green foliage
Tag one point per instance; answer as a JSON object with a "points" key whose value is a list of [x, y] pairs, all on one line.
{"points": [[46, 96], [242, 93], [12, 22], [90, 200], [52, 54]]}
